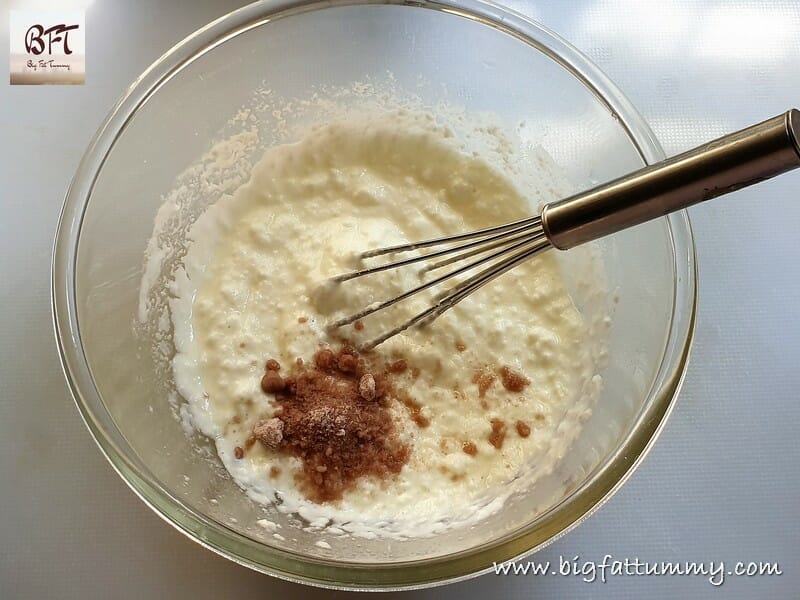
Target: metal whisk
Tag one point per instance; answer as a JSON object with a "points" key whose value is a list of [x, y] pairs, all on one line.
{"points": [[724, 165]]}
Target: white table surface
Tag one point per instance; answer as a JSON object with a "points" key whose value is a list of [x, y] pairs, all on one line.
{"points": [[723, 482]]}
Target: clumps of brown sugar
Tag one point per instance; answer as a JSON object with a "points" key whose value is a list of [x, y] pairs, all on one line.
{"points": [[513, 381], [269, 432], [469, 448], [367, 387], [398, 366], [498, 435], [415, 410], [484, 379], [334, 415], [272, 382]]}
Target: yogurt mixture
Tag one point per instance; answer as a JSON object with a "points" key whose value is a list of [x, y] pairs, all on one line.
{"points": [[253, 287]]}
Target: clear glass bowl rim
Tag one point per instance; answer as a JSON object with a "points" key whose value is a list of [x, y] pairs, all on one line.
{"points": [[595, 491]]}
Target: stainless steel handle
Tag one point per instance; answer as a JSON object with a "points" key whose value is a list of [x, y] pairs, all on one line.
{"points": [[724, 165]]}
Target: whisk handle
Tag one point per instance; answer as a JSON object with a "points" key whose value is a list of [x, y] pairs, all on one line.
{"points": [[724, 165]]}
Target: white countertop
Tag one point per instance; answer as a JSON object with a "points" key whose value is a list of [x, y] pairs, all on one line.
{"points": [[721, 484]]}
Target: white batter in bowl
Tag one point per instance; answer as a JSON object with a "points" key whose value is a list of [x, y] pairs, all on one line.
{"points": [[253, 287]]}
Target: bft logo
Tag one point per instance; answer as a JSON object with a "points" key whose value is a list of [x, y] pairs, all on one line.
{"points": [[47, 47], [57, 34]]}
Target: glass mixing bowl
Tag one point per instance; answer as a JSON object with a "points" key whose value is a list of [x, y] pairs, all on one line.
{"points": [[480, 56]]}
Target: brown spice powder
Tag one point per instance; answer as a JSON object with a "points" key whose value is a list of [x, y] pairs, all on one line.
{"points": [[338, 434]]}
